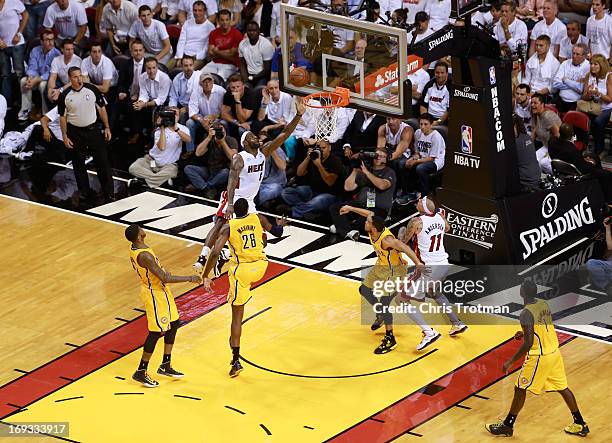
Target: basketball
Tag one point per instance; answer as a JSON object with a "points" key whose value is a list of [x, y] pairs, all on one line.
{"points": [[299, 77]]}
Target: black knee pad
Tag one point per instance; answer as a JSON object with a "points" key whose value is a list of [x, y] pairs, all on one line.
{"points": [[170, 335], [151, 341]]}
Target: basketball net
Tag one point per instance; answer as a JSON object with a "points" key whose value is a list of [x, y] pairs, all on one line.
{"points": [[323, 108]]}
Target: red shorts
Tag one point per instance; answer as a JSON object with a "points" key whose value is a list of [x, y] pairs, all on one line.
{"points": [[223, 203]]}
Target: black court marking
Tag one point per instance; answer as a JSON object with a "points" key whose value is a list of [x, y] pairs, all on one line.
{"points": [[187, 396], [16, 412], [265, 429], [42, 433], [66, 378], [122, 319], [14, 405], [463, 407], [376, 419], [21, 371], [69, 398], [128, 393], [119, 378], [433, 389], [256, 314], [382, 371], [116, 352], [481, 396], [308, 427], [72, 344], [413, 433], [236, 410], [139, 310]]}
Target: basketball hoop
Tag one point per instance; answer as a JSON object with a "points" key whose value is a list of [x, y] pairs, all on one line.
{"points": [[323, 107]]}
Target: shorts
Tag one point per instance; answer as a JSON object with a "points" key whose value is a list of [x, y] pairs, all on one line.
{"points": [[223, 203], [241, 277], [160, 308], [542, 373], [429, 283], [379, 274]]}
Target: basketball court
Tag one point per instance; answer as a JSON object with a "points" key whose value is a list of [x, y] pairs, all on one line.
{"points": [[74, 326]]}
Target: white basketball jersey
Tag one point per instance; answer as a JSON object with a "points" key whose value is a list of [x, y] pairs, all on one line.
{"points": [[251, 176], [394, 139], [430, 241]]}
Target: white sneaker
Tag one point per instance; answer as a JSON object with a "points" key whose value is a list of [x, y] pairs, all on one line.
{"points": [[88, 160], [353, 235], [23, 155], [457, 329], [428, 339], [23, 115], [332, 229]]}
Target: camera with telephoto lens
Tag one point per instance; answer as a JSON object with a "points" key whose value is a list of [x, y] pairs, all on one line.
{"points": [[367, 157], [316, 153], [167, 117]]}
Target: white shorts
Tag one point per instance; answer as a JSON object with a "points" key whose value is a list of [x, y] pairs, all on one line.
{"points": [[223, 204], [429, 283]]}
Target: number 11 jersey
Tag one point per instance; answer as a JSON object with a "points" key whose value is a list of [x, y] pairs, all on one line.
{"points": [[430, 241]]}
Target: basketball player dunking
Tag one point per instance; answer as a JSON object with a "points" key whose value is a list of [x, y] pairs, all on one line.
{"points": [[543, 368], [246, 173], [427, 234], [248, 264], [162, 315]]}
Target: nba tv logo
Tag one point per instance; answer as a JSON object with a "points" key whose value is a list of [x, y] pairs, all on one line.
{"points": [[492, 78], [466, 139]]}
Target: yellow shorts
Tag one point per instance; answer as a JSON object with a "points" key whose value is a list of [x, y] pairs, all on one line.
{"points": [[241, 276], [380, 273], [160, 308], [542, 373]]}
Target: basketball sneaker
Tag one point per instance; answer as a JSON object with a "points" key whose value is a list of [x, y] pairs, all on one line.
{"points": [[499, 428], [168, 371], [141, 376], [457, 329], [577, 429], [388, 344], [236, 368], [224, 257], [428, 339], [377, 323]]}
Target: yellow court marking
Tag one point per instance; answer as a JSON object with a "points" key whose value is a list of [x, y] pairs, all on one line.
{"points": [[312, 329]]}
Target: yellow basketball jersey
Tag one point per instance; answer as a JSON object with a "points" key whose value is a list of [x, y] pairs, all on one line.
{"points": [[246, 239], [147, 278], [545, 338], [389, 257]]}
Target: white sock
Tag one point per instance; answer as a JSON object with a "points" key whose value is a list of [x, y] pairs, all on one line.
{"points": [[205, 251], [417, 317]]}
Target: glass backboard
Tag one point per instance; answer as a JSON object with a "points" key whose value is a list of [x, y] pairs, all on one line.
{"points": [[317, 41]]}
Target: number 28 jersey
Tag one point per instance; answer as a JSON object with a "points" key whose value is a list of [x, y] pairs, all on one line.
{"points": [[246, 239], [430, 241]]}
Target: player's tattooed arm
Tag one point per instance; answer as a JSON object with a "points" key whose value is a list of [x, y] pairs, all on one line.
{"points": [[413, 227], [235, 168], [146, 260], [527, 323], [271, 146]]}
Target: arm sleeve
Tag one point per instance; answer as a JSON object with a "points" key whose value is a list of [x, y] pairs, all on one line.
{"points": [[267, 51], [81, 16], [180, 46], [133, 33], [144, 94], [49, 19], [173, 94], [194, 107], [33, 68], [100, 100], [164, 90]]}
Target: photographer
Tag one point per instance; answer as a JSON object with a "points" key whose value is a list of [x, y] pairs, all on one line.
{"points": [[317, 176], [209, 170], [159, 165], [600, 271], [372, 186]]}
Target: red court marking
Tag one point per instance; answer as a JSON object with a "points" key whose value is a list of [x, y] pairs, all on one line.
{"points": [[417, 408], [94, 355]]}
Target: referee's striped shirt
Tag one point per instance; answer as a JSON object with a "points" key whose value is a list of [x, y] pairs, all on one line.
{"points": [[80, 107]]}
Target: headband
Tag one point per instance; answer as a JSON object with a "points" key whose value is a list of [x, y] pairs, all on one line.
{"points": [[243, 137], [425, 208]]}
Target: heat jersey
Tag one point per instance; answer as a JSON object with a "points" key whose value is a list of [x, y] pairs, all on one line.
{"points": [[251, 176], [430, 241]]}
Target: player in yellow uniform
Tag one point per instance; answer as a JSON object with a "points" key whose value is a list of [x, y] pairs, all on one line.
{"points": [[543, 367], [162, 315], [248, 264], [389, 266]]}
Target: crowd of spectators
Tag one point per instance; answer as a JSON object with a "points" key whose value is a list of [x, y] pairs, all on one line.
{"points": [[215, 63]]}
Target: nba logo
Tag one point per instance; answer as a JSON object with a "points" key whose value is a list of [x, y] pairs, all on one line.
{"points": [[492, 75], [466, 139]]}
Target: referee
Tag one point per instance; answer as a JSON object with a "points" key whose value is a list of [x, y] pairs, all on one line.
{"points": [[78, 107]]}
